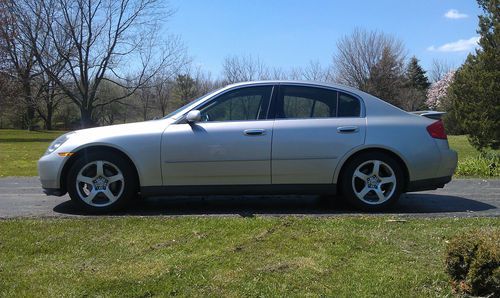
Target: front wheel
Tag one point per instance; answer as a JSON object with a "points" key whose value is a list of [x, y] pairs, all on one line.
{"points": [[372, 181], [100, 182]]}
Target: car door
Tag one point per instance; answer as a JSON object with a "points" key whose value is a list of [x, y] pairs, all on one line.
{"points": [[230, 146], [314, 128]]}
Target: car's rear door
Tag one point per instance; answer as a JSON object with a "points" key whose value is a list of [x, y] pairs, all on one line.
{"points": [[230, 146], [313, 129]]}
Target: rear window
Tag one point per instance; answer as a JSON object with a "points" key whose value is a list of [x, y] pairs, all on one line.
{"points": [[298, 102], [348, 106]]}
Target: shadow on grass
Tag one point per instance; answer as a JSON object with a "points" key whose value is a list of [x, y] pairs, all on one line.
{"points": [[249, 206]]}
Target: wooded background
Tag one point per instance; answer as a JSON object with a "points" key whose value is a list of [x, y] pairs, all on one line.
{"points": [[66, 64]]}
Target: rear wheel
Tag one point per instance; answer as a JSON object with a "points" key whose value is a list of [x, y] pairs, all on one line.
{"points": [[101, 182], [372, 181]]}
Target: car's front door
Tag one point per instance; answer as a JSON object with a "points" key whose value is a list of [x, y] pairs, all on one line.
{"points": [[231, 145], [314, 128]]}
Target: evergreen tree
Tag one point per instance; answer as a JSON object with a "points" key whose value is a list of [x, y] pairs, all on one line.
{"points": [[415, 75], [386, 77], [475, 92], [414, 89], [185, 89]]}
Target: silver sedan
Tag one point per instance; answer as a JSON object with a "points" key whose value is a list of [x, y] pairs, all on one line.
{"points": [[269, 137]]}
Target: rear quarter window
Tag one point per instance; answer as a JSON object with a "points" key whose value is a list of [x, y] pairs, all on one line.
{"points": [[348, 106]]}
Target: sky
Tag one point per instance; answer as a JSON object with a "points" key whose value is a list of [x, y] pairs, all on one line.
{"points": [[292, 33]]}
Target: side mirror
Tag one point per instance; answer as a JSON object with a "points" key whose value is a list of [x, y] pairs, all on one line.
{"points": [[193, 116]]}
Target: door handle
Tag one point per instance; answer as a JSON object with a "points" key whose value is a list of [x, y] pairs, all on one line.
{"points": [[347, 129], [254, 132]]}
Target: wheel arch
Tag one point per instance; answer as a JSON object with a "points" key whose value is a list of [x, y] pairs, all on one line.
{"points": [[389, 151], [94, 148]]}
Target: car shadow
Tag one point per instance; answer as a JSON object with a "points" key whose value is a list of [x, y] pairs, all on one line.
{"points": [[249, 206]]}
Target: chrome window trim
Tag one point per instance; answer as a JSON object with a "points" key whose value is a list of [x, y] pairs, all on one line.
{"points": [[362, 112], [182, 119], [275, 84]]}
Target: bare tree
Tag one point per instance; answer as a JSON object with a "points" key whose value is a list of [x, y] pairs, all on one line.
{"points": [[439, 69], [412, 99], [277, 73], [49, 97], [7, 90], [113, 112], [162, 84], [359, 53], [146, 96], [315, 71], [47, 93], [204, 82], [18, 59], [244, 68], [163, 91], [99, 40]]}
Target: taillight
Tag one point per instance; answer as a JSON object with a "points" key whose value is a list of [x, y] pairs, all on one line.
{"points": [[436, 130]]}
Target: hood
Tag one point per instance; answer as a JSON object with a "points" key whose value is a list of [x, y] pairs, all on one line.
{"points": [[145, 127]]}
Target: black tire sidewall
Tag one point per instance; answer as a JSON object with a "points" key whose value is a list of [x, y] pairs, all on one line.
{"points": [[346, 183], [130, 186]]}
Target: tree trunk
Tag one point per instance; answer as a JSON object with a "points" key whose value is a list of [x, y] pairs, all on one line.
{"points": [[163, 107], [86, 117], [30, 109], [29, 117], [48, 121]]}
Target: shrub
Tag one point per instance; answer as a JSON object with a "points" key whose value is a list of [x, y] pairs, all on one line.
{"points": [[486, 164], [473, 263]]}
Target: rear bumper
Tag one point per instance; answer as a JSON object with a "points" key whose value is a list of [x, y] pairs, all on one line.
{"points": [[428, 184], [449, 161]]}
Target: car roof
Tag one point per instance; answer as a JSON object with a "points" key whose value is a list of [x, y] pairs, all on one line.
{"points": [[299, 82], [376, 105]]}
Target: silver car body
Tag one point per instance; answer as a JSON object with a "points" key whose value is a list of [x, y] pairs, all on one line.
{"points": [[294, 155]]}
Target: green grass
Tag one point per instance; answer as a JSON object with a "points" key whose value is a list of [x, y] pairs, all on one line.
{"points": [[471, 163], [20, 150], [224, 256], [462, 146]]}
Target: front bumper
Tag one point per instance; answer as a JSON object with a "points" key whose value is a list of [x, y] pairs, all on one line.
{"points": [[54, 192], [49, 170]]}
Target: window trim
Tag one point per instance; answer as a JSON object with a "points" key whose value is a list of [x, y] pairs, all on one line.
{"points": [[182, 120], [361, 106], [271, 111], [272, 114]]}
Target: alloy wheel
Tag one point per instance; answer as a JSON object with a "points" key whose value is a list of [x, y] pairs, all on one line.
{"points": [[374, 182], [100, 183]]}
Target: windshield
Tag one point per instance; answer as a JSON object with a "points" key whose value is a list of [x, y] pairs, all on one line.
{"points": [[192, 103]]}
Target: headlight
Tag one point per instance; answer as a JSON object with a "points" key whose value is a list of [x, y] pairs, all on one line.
{"points": [[58, 142]]}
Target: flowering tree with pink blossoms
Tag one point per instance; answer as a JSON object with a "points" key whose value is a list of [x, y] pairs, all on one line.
{"points": [[438, 92]]}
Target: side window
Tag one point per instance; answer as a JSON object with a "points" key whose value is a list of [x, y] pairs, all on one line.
{"points": [[349, 106], [242, 104], [306, 102]]}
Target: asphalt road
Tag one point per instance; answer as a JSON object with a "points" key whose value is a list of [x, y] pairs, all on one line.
{"points": [[23, 197]]}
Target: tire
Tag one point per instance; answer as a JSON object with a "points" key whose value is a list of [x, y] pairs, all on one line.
{"points": [[101, 182], [368, 189]]}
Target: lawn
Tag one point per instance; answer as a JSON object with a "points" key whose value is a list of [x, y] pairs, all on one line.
{"points": [[227, 256], [471, 163], [462, 146], [19, 151]]}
